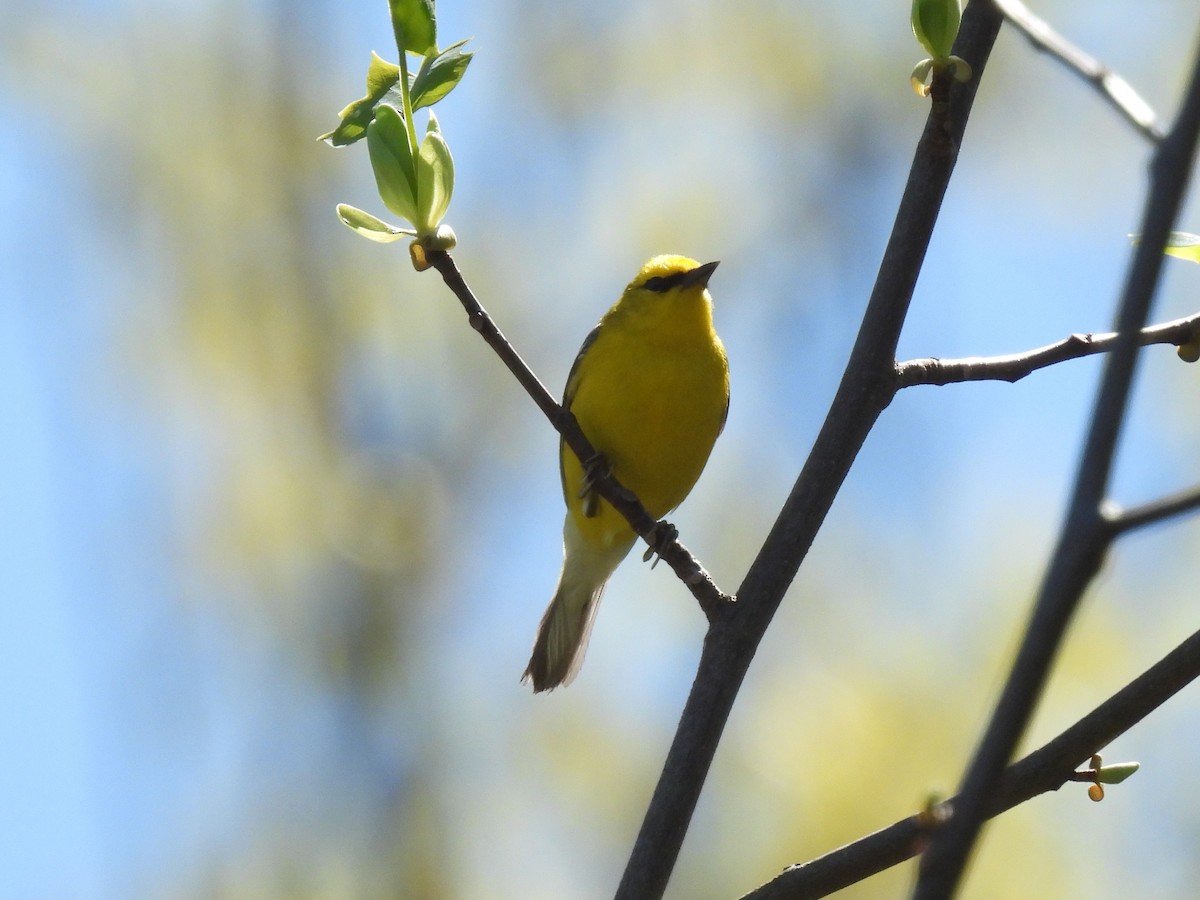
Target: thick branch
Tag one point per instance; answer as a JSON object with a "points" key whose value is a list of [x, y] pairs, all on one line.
{"points": [[1046, 769], [673, 553], [1013, 367], [1115, 89], [866, 388], [1086, 534]]}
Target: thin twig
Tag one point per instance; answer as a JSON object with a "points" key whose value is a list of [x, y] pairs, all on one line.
{"points": [[1086, 534], [673, 553], [1015, 366], [1115, 89], [1123, 520], [866, 388], [1046, 769]]}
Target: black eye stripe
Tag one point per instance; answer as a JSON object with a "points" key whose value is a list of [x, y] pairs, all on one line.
{"points": [[660, 283]]}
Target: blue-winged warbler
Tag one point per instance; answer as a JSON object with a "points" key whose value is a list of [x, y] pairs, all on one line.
{"points": [[650, 389]]}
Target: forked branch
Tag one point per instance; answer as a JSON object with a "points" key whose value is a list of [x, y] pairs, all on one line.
{"points": [[1046, 769], [1086, 534], [866, 388]]}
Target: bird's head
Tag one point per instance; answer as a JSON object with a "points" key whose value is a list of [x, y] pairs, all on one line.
{"points": [[666, 273]]}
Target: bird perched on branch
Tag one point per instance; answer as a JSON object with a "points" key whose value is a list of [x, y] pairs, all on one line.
{"points": [[650, 389]]}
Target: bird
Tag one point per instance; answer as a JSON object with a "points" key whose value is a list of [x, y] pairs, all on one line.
{"points": [[650, 390]]}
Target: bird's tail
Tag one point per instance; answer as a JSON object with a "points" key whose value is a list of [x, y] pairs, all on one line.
{"points": [[563, 634]]}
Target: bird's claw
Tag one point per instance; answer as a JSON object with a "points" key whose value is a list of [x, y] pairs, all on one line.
{"points": [[664, 535], [593, 470]]}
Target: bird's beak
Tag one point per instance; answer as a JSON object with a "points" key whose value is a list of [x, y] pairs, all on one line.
{"points": [[700, 275]]}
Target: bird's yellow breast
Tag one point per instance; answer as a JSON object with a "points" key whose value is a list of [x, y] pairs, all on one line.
{"points": [[650, 391]]}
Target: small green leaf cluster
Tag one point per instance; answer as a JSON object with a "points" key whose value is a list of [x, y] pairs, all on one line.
{"points": [[437, 76], [415, 178], [935, 24]]}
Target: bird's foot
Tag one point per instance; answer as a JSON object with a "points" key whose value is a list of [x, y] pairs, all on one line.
{"points": [[665, 535], [593, 470]]}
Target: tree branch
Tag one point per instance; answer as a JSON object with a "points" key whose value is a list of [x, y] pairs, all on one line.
{"points": [[1046, 769], [1115, 89], [866, 388], [1086, 534], [1123, 520], [673, 553], [1015, 366]]}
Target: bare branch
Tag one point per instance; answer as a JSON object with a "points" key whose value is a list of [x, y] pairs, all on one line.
{"points": [[1046, 769], [1015, 366], [1115, 89], [673, 553], [1085, 534], [1122, 520]]}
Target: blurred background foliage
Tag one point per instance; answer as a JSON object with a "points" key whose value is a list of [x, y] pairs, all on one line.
{"points": [[278, 529]]}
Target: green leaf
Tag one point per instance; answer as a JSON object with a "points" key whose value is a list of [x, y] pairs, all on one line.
{"points": [[415, 26], [435, 178], [381, 76], [935, 24], [439, 75], [392, 162], [370, 227], [1183, 245], [1115, 774]]}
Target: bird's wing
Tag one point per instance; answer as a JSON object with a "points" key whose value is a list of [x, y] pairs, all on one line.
{"points": [[569, 395]]}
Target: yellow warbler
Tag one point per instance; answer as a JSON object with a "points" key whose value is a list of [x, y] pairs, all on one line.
{"points": [[650, 389]]}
